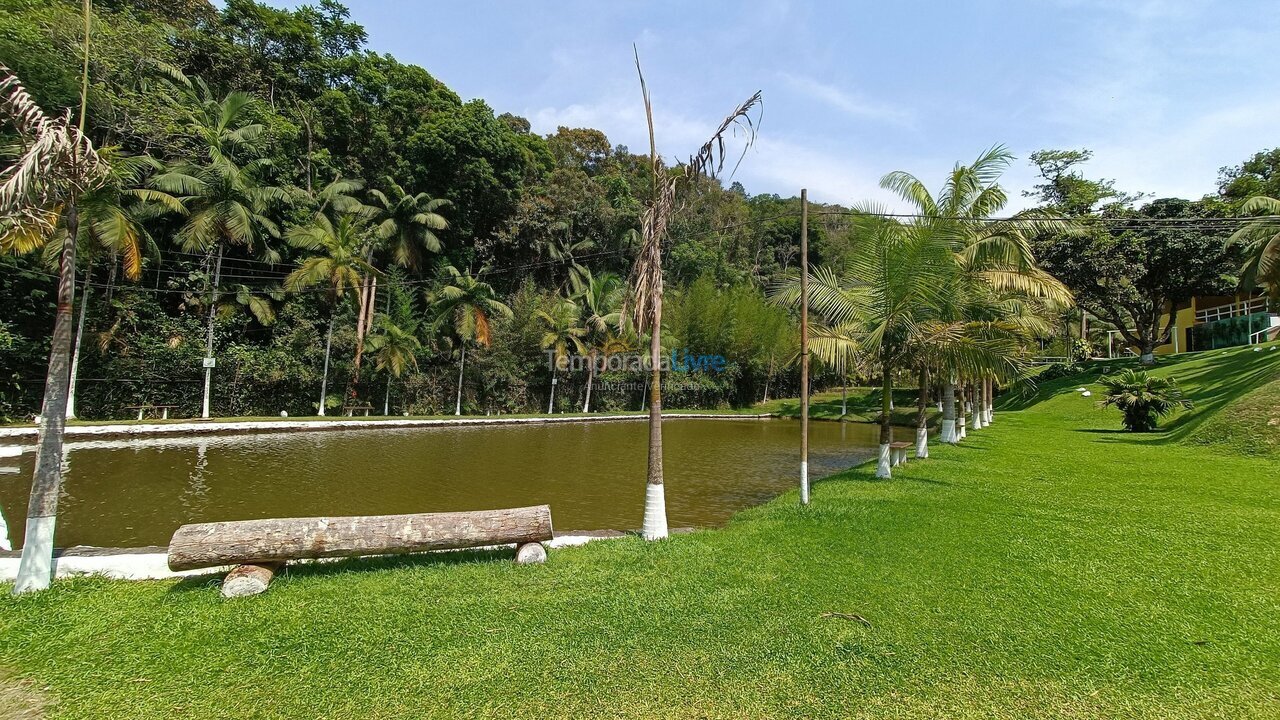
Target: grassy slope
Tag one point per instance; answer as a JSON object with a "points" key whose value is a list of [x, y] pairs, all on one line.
{"points": [[1048, 567]]}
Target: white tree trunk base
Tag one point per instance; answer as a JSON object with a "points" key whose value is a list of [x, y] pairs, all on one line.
{"points": [[922, 442], [804, 482], [949, 432], [247, 580], [5, 545], [531, 553], [655, 512], [36, 570], [884, 463]]}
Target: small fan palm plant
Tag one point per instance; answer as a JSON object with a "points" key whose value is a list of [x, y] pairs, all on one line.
{"points": [[1142, 398]]}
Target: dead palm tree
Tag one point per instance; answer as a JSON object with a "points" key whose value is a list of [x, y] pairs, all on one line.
{"points": [[57, 165], [644, 296]]}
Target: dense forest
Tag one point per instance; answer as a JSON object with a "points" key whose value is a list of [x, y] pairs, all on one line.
{"points": [[322, 215]]}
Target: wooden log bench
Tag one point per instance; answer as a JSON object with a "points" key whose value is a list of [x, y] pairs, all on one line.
{"points": [[259, 548], [898, 452]]}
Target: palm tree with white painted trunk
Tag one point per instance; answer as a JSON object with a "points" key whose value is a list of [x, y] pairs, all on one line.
{"points": [[395, 350], [56, 166], [467, 306], [225, 191], [601, 297], [337, 261], [563, 334], [645, 286]]}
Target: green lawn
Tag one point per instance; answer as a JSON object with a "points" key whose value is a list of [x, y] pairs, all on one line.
{"points": [[1050, 566]]}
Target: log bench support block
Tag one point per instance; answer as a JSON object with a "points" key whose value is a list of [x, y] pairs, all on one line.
{"points": [[250, 579], [530, 553]]}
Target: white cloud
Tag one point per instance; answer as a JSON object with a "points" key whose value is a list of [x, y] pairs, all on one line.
{"points": [[847, 102]]}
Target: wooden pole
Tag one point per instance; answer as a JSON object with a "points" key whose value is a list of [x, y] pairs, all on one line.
{"points": [[804, 347]]}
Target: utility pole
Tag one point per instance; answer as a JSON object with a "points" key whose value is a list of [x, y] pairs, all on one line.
{"points": [[804, 347]]}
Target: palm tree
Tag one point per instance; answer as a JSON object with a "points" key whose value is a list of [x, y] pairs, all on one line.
{"points": [[990, 256], [601, 296], [407, 223], [562, 332], [225, 195], [644, 292], [468, 305], [1142, 398], [338, 263], [1261, 238], [111, 220], [394, 350], [57, 166]]}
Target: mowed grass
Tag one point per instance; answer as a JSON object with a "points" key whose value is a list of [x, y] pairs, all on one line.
{"points": [[1050, 566]]}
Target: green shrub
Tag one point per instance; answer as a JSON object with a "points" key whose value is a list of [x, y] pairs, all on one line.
{"points": [[1142, 398]]}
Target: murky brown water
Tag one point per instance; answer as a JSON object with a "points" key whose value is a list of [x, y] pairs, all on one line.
{"points": [[122, 493]]}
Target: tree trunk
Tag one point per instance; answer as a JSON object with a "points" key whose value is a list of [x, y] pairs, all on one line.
{"points": [[75, 355], [922, 417], [655, 501], [551, 399], [991, 400], [35, 571], [591, 377], [962, 411], [279, 540], [844, 397], [462, 364], [208, 347], [949, 413], [324, 378], [386, 399], [886, 427], [250, 579]]}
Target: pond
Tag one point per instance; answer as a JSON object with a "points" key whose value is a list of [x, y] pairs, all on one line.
{"points": [[133, 492]]}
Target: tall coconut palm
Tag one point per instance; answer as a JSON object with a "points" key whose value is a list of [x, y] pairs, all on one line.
{"points": [[1261, 240], [644, 292], [395, 350], [991, 254], [57, 166], [563, 332], [225, 192], [601, 298], [468, 306], [338, 263], [407, 224]]}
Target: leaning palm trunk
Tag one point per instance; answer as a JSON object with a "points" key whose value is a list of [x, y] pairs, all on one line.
{"points": [[324, 377], [591, 376], [208, 348], [886, 427], [949, 413], [36, 569], [462, 364], [57, 164], [922, 417], [75, 355]]}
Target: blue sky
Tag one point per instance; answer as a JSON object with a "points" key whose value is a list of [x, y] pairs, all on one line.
{"points": [[1164, 92]]}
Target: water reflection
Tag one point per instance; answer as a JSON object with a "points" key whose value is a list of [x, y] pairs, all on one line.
{"points": [[124, 492]]}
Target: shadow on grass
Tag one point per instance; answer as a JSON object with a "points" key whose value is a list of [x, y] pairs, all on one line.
{"points": [[380, 563]]}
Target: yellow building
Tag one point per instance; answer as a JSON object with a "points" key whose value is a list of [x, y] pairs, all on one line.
{"points": [[1213, 321]]}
